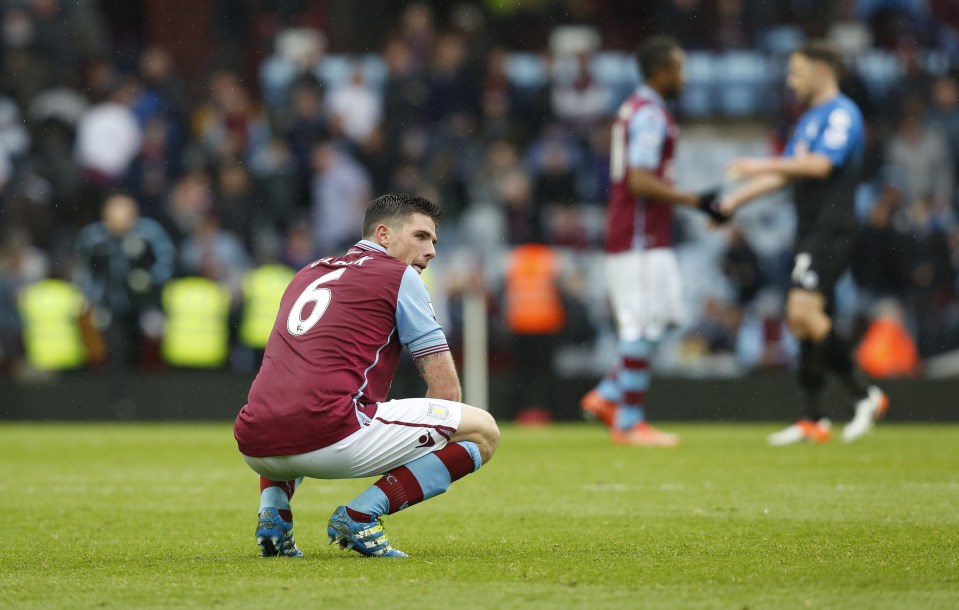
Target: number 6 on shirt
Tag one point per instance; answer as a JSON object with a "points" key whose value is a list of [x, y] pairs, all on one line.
{"points": [[312, 294]]}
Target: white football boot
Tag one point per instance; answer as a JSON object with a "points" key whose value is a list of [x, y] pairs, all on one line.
{"points": [[869, 410], [802, 431]]}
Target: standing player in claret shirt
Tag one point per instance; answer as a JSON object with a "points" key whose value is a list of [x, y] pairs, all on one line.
{"points": [[641, 270], [318, 407], [822, 162]]}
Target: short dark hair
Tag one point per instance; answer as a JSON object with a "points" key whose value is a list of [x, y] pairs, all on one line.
{"points": [[823, 52], [391, 207], [655, 53]]}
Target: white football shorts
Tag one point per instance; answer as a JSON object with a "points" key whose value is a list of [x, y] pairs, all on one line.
{"points": [[401, 431], [645, 291]]}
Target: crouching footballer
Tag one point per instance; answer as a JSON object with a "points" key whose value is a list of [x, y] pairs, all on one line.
{"points": [[318, 407]]}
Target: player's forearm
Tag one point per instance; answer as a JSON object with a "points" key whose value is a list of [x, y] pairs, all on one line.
{"points": [[439, 371], [807, 166], [757, 187], [645, 184], [448, 392]]}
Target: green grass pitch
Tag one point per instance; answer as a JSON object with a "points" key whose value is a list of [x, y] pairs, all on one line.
{"points": [[162, 515]]}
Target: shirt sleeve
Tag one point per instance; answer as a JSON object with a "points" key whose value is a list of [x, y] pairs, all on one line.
{"points": [[647, 132], [790, 150], [838, 135], [416, 323]]}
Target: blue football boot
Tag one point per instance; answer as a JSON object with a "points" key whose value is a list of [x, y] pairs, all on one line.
{"points": [[365, 538], [274, 536]]}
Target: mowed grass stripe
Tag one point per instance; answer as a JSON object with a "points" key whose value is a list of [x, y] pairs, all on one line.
{"points": [[161, 515]]}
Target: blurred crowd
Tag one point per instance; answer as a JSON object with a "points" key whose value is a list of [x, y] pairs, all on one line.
{"points": [[121, 179]]}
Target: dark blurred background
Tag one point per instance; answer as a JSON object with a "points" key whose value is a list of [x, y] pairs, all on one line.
{"points": [[165, 165]]}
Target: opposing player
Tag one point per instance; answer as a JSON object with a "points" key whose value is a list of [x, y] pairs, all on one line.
{"points": [[318, 407], [822, 162], [641, 270]]}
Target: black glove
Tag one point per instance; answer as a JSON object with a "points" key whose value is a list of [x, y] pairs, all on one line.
{"points": [[709, 204]]}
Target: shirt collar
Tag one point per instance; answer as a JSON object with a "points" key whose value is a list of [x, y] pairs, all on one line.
{"points": [[365, 244], [650, 93]]}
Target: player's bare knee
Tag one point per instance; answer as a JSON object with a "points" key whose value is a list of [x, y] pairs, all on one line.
{"points": [[479, 427], [491, 438], [796, 323]]}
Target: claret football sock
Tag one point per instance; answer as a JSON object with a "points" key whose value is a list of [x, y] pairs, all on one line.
{"points": [[419, 480], [277, 494], [633, 380]]}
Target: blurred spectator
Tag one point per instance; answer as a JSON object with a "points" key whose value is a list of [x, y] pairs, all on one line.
{"points": [[14, 138], [579, 100], [763, 340], [278, 179], [468, 21], [155, 166], [262, 289], [729, 32], [914, 82], [417, 32], [162, 92], [691, 21], [298, 51], [299, 251], [556, 180], [197, 330], [355, 108], [943, 115], [535, 316], [885, 257], [500, 104], [923, 153], [452, 88], [406, 92], [190, 200], [11, 343], [524, 221], [741, 266], [305, 124], [215, 253], [236, 206], [887, 349], [108, 139], [27, 68], [564, 227], [340, 191], [21, 264], [124, 261], [716, 330], [50, 310], [231, 126]]}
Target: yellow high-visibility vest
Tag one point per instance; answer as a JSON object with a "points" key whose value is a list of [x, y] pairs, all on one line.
{"points": [[197, 331], [262, 290], [50, 312]]}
